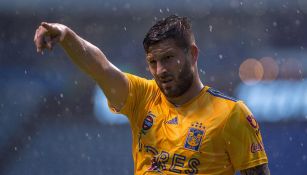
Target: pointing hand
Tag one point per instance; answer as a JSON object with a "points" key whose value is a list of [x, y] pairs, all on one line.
{"points": [[48, 34]]}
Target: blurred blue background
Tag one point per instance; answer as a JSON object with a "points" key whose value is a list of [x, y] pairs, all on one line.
{"points": [[50, 121]]}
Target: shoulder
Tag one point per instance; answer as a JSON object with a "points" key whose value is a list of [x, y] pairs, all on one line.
{"points": [[219, 101], [139, 83], [235, 110]]}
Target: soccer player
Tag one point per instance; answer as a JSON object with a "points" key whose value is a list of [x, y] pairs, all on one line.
{"points": [[179, 126]]}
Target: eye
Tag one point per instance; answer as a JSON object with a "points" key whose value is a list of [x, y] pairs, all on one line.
{"points": [[169, 56], [152, 62]]}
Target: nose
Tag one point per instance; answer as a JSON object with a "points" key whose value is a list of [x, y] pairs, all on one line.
{"points": [[161, 68]]}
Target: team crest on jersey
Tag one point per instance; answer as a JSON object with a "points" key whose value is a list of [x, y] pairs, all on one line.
{"points": [[194, 138]]}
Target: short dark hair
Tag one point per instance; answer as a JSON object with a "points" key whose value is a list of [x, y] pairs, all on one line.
{"points": [[172, 27]]}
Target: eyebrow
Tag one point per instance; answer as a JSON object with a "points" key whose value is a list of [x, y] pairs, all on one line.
{"points": [[150, 56]]}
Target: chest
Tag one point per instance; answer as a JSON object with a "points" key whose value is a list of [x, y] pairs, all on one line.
{"points": [[187, 131]]}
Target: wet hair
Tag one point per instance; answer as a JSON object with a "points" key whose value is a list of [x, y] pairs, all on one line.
{"points": [[172, 27]]}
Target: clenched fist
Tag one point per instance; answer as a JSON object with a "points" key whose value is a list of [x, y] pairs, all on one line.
{"points": [[48, 34]]}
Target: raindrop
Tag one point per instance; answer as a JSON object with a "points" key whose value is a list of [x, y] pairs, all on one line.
{"points": [[220, 56], [114, 9], [274, 23], [125, 28], [76, 82], [178, 61], [26, 72], [290, 139], [210, 28], [67, 109], [167, 9], [202, 71], [82, 155], [302, 144], [127, 6], [61, 95], [161, 11], [304, 157], [15, 148]]}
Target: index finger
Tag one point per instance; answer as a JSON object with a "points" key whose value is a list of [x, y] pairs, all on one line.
{"points": [[39, 40], [47, 26]]}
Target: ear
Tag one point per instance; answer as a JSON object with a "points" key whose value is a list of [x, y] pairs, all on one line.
{"points": [[194, 53]]}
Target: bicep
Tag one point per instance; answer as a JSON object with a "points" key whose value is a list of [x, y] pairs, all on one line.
{"points": [[257, 170], [115, 86]]}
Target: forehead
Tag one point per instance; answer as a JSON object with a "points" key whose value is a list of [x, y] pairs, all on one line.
{"points": [[163, 47]]}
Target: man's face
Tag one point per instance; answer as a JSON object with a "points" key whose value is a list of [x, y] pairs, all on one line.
{"points": [[171, 67]]}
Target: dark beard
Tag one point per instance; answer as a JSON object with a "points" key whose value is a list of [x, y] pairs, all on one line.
{"points": [[184, 82]]}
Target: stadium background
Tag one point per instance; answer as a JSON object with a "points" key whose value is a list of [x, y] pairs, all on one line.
{"points": [[48, 120]]}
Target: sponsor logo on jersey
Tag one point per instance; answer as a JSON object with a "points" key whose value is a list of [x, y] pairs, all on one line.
{"points": [[255, 147], [252, 121], [173, 121], [194, 138], [148, 122]]}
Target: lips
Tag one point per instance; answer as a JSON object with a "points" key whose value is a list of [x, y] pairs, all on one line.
{"points": [[166, 82]]}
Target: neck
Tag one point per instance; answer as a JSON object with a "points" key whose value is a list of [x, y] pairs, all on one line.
{"points": [[192, 92]]}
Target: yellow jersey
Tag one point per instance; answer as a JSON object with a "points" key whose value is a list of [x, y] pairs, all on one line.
{"points": [[211, 134]]}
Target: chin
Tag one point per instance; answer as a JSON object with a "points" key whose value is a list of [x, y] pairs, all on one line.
{"points": [[172, 93]]}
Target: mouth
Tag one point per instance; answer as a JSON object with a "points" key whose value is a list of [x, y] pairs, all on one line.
{"points": [[166, 82]]}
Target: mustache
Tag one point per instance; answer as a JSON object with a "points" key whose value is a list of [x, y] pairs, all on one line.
{"points": [[165, 76]]}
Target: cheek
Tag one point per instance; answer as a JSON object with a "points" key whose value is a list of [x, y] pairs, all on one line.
{"points": [[151, 70]]}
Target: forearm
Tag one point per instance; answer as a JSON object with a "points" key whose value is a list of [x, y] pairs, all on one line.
{"points": [[87, 56]]}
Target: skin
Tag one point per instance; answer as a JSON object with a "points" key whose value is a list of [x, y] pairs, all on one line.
{"points": [[257, 170], [173, 68], [88, 57]]}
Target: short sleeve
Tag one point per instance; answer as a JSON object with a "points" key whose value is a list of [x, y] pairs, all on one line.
{"points": [[140, 91], [243, 138]]}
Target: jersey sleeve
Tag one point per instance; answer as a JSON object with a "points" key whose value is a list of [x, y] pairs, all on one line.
{"points": [[243, 138], [141, 91]]}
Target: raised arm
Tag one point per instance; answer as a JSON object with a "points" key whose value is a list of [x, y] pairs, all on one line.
{"points": [[88, 57]]}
